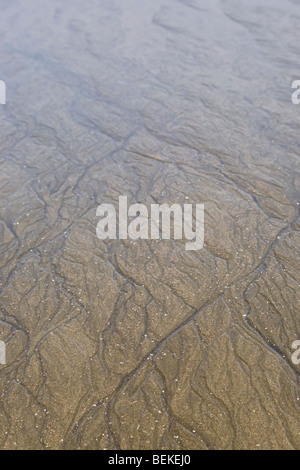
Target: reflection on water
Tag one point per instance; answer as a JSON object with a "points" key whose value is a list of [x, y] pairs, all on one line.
{"points": [[121, 344]]}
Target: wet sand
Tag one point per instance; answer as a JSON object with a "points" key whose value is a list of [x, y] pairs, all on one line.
{"points": [[124, 344]]}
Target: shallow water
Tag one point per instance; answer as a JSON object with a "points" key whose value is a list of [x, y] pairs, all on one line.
{"points": [[140, 344]]}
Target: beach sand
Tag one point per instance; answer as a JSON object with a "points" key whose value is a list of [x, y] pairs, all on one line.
{"points": [[121, 344]]}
